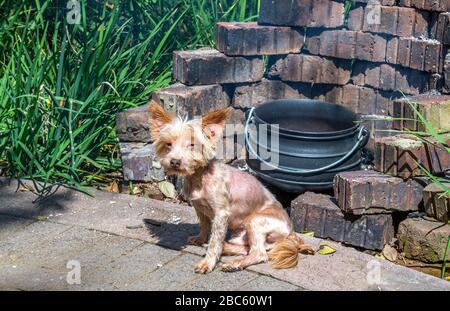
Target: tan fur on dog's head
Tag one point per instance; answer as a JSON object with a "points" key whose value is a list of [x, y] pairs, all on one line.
{"points": [[185, 146]]}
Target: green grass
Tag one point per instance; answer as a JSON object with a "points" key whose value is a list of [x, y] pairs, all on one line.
{"points": [[61, 84]]}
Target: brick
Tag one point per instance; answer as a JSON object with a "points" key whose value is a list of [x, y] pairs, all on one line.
{"points": [[437, 204], [381, 2], [391, 78], [252, 95], [398, 21], [132, 125], [428, 5], [310, 68], [208, 66], [249, 39], [139, 162], [434, 108], [421, 54], [364, 100], [442, 32], [191, 101], [319, 213], [304, 13], [370, 192], [447, 72], [398, 156], [379, 126], [423, 240]]}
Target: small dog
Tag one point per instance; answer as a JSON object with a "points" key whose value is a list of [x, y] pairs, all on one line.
{"points": [[223, 197]]}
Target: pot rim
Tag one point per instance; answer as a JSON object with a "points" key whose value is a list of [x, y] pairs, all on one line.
{"points": [[295, 134]]}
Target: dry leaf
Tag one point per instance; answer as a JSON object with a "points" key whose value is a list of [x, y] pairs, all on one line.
{"points": [[113, 187], [390, 253], [168, 189], [308, 233], [326, 250], [380, 256]]}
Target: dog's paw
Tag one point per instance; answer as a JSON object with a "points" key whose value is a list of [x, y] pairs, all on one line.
{"points": [[231, 267], [196, 240], [204, 267]]}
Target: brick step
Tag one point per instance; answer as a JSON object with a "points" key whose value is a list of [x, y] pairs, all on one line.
{"points": [[392, 78], [434, 108], [398, 156], [437, 204], [421, 54], [310, 68], [209, 66], [244, 39], [362, 100], [305, 13], [392, 20], [320, 214], [428, 5], [370, 192], [423, 240]]}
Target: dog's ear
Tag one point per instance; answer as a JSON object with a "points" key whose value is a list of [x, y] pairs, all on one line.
{"points": [[158, 118], [214, 122]]}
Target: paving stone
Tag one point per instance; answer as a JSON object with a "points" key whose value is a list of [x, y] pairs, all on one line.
{"points": [[191, 101], [25, 240], [382, 2], [170, 276], [423, 240], [264, 283], [9, 225], [132, 266], [369, 192], [351, 269], [247, 39], [398, 156], [140, 162], [429, 5], [31, 278], [434, 108], [132, 125], [391, 78], [393, 20], [208, 66], [310, 68], [57, 251], [219, 281], [308, 13], [437, 204], [320, 214]]}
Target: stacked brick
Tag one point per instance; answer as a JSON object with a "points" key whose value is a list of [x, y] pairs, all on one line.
{"points": [[366, 60]]}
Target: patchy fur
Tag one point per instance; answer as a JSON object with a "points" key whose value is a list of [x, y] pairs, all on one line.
{"points": [[223, 197]]}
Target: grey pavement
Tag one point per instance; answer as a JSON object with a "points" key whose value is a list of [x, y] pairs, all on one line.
{"points": [[42, 243]]}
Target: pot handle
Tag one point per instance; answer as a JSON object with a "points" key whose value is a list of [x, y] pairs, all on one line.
{"points": [[362, 140]]}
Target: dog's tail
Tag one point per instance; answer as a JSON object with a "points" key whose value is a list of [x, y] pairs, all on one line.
{"points": [[284, 254]]}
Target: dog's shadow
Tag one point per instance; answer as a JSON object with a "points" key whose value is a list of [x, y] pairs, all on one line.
{"points": [[174, 236], [171, 235]]}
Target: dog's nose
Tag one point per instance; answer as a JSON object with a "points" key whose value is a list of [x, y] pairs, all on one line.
{"points": [[175, 163]]}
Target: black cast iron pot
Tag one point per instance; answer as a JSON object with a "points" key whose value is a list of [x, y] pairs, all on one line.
{"points": [[316, 140]]}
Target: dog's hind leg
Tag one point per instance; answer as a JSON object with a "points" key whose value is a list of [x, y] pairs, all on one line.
{"points": [[256, 235]]}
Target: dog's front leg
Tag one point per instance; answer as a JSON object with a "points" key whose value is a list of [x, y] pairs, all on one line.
{"points": [[218, 233]]}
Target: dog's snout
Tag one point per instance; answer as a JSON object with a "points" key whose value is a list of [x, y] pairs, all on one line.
{"points": [[175, 163]]}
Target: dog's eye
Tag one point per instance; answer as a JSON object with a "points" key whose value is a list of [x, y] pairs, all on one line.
{"points": [[169, 145]]}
